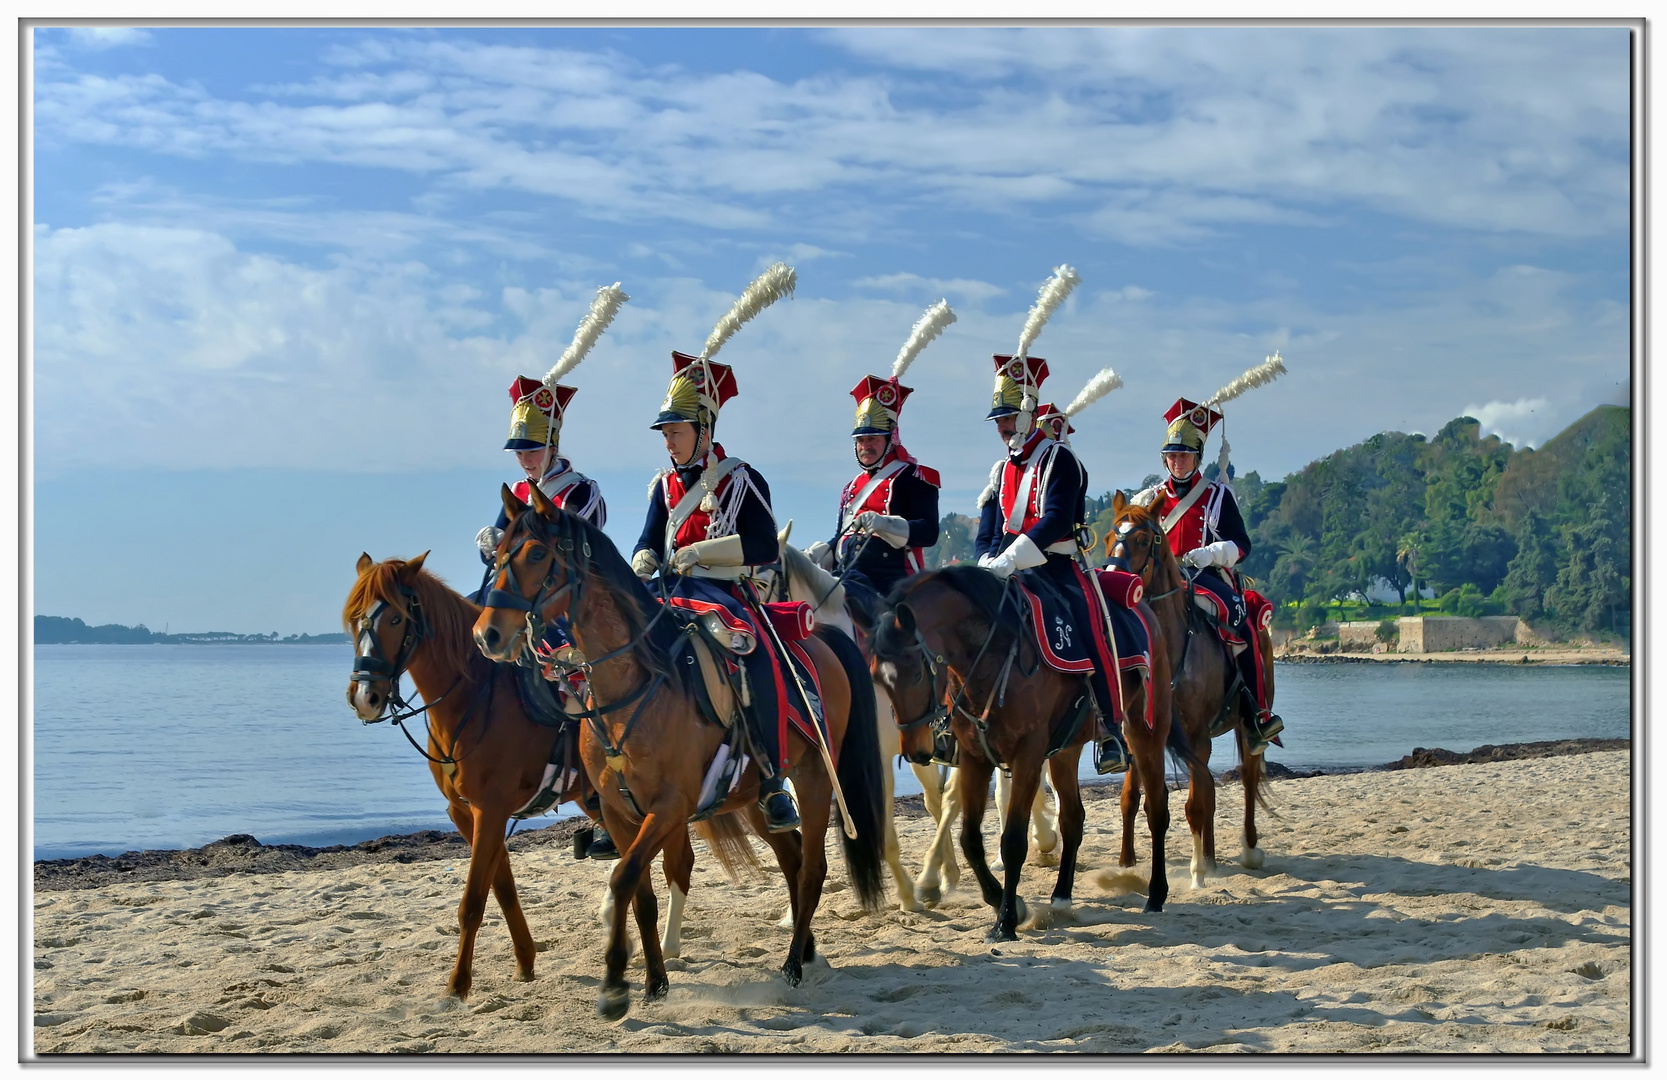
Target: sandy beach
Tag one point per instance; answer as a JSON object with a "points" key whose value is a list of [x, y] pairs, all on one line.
{"points": [[1466, 908]]}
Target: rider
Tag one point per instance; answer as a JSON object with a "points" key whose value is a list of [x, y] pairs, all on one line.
{"points": [[1206, 532], [535, 419], [1034, 506], [709, 523], [893, 500]]}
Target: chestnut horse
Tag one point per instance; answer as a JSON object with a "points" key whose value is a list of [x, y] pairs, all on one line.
{"points": [[948, 640], [1204, 670], [487, 756], [646, 745]]}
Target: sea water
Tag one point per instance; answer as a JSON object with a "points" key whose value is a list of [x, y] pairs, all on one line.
{"points": [[173, 746]]}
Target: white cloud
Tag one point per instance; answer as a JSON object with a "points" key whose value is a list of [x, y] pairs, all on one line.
{"points": [[186, 351], [1152, 137], [1524, 422], [99, 38], [914, 285]]}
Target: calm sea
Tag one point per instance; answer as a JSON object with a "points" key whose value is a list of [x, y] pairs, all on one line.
{"points": [[173, 746]]}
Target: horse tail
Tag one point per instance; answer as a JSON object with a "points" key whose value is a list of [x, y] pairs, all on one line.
{"points": [[727, 839], [859, 775]]}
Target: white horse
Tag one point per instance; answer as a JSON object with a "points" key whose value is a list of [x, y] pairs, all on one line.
{"points": [[810, 583]]}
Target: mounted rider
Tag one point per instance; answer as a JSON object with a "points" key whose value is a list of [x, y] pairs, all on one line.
{"points": [[709, 524], [1207, 535], [1032, 511], [888, 513]]}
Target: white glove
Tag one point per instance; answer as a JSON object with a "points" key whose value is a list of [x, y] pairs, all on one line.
{"points": [[719, 551], [821, 554], [1021, 554], [644, 563], [1220, 553], [985, 560], [893, 530], [487, 540]]}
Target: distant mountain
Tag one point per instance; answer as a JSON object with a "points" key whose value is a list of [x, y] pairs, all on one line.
{"points": [[53, 630]]}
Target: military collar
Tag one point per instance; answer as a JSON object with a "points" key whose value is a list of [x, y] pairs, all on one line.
{"points": [[1028, 450], [1179, 488]]}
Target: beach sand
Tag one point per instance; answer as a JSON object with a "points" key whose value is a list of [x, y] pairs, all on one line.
{"points": [[1467, 908]]}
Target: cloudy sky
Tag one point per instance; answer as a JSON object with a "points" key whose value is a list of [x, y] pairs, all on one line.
{"points": [[283, 277]]}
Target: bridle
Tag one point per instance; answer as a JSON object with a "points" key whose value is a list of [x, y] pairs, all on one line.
{"points": [[1129, 529], [548, 590], [370, 666]]}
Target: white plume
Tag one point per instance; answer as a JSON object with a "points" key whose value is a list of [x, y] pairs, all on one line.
{"points": [[609, 299], [777, 281], [1054, 291], [930, 326], [1098, 387], [1260, 375]]}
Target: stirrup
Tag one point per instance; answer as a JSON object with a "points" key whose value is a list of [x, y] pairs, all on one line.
{"points": [[1110, 756], [780, 814], [1263, 733]]}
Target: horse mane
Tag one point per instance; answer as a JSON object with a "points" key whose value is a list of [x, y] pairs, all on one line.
{"points": [[607, 567], [983, 589], [449, 617]]}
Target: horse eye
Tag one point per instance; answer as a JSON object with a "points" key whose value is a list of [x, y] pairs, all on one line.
{"points": [[394, 621], [536, 555]]}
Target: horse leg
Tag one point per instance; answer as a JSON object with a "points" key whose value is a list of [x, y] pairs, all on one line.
{"points": [[1044, 827], [789, 849], [486, 850], [813, 873], [678, 862], [891, 744], [1130, 806], [1251, 775], [1063, 767], [1004, 803], [655, 982], [974, 784], [1201, 809], [940, 855], [503, 887], [1015, 839], [1148, 758], [614, 1000]]}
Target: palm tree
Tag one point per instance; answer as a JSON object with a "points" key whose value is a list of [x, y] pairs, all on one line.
{"points": [[1406, 556]]}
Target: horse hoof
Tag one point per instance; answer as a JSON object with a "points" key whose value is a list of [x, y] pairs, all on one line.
{"points": [[1251, 858], [1197, 880], [523, 974], [928, 894], [1153, 904], [786, 921], [1023, 910], [793, 972], [999, 933], [810, 947], [671, 950], [657, 992], [613, 1004], [1047, 858]]}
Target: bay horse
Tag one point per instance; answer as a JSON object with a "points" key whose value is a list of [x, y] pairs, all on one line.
{"points": [[951, 638], [801, 579], [487, 755], [646, 744], [1204, 670]]}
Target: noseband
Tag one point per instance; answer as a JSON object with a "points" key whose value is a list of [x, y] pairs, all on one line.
{"points": [[938, 716], [548, 593]]}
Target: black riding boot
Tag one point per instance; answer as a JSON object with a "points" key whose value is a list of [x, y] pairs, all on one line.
{"points": [[602, 845], [1265, 725], [776, 802]]}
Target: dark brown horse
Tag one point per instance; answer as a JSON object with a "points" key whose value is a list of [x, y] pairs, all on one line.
{"points": [[646, 744], [487, 755], [950, 648], [1204, 670]]}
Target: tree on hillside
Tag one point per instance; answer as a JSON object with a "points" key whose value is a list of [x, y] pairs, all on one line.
{"points": [[1532, 571], [1592, 585]]}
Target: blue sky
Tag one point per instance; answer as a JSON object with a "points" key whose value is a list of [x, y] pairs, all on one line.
{"points": [[283, 277]]}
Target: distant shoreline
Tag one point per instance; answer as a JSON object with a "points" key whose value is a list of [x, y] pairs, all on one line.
{"points": [[242, 853], [1536, 657]]}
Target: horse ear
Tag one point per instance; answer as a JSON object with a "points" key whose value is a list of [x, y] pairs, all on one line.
{"points": [[512, 505], [365, 562], [1118, 503], [409, 573], [541, 504], [904, 617]]}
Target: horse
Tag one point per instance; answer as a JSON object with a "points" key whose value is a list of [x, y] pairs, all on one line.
{"points": [[487, 755], [646, 743], [801, 579], [1203, 671], [948, 639]]}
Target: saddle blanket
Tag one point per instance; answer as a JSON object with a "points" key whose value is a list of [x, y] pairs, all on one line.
{"points": [[1067, 647], [1235, 615]]}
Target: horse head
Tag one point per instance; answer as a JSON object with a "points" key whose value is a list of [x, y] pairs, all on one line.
{"points": [[1136, 542], [383, 619], [535, 578], [912, 675]]}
